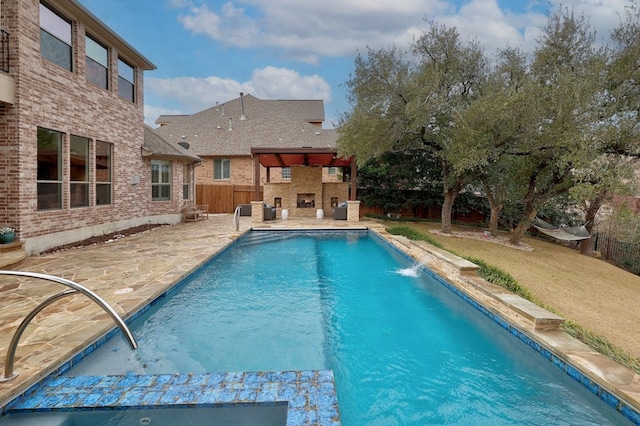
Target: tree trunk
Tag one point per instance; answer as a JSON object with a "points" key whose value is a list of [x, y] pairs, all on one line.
{"points": [[493, 219], [523, 225], [586, 246], [449, 197], [495, 207]]}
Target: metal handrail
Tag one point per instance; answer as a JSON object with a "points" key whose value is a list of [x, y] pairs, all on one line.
{"points": [[76, 288], [236, 219]]}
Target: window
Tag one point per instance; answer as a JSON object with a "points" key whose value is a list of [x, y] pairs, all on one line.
{"points": [[160, 180], [97, 63], [79, 171], [126, 81], [103, 172], [332, 170], [286, 173], [49, 169], [55, 37], [221, 169], [186, 181]]}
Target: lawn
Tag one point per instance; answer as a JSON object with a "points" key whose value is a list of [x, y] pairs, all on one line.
{"points": [[596, 295]]}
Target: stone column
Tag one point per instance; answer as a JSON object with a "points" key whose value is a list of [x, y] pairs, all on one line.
{"points": [[353, 211], [257, 211]]}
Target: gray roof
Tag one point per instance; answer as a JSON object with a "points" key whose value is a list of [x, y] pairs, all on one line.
{"points": [[267, 123], [157, 147]]}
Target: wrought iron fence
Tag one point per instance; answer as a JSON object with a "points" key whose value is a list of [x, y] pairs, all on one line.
{"points": [[620, 253]]}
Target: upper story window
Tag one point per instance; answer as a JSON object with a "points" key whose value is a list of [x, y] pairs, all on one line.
{"points": [[97, 63], [332, 170], [126, 81], [55, 37], [221, 169], [286, 173], [49, 169]]}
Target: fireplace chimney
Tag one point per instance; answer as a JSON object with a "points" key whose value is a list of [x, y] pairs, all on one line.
{"points": [[242, 116]]}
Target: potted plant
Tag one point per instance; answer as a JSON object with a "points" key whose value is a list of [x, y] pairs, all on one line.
{"points": [[7, 235]]}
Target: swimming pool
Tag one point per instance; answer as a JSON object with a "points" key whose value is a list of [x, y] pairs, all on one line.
{"points": [[404, 349]]}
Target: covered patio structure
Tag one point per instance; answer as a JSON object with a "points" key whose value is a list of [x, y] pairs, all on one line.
{"points": [[306, 195]]}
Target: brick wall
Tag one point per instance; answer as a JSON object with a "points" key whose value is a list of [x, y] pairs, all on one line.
{"points": [[55, 98]]}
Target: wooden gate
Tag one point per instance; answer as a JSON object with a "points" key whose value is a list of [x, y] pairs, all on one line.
{"points": [[224, 198]]}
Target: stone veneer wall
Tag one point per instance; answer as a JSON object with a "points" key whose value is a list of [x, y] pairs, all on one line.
{"points": [[306, 180]]}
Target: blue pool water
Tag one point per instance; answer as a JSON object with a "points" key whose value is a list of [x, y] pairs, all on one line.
{"points": [[404, 348]]}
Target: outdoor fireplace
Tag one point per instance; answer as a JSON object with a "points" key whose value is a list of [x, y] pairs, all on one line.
{"points": [[306, 201]]}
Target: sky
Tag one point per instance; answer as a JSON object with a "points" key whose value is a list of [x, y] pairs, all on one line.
{"points": [[208, 51]]}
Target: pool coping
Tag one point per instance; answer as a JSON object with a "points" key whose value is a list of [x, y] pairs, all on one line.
{"points": [[618, 394]]}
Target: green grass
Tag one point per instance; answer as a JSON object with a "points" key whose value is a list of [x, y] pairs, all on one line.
{"points": [[412, 234]]}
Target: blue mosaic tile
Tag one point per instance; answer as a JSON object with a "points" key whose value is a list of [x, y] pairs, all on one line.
{"points": [[298, 401], [286, 391], [209, 396], [268, 392], [181, 379], [217, 379], [151, 397], [171, 396], [609, 398], [253, 380], [226, 396], [111, 398], [248, 395], [631, 414], [198, 380], [296, 417], [163, 379], [234, 377], [132, 396], [71, 399]]}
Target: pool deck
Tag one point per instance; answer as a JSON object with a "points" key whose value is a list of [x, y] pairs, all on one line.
{"points": [[130, 272]]}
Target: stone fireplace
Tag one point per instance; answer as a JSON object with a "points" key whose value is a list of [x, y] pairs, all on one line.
{"points": [[306, 201], [305, 194]]}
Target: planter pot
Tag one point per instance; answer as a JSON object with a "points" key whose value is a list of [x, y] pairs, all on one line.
{"points": [[7, 238]]}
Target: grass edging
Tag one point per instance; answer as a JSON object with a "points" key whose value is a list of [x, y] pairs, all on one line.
{"points": [[500, 278]]}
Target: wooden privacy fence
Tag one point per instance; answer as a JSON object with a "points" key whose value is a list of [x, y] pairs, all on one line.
{"points": [[620, 253], [224, 198]]}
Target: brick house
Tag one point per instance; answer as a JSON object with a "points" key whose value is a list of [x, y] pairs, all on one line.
{"points": [[271, 144], [75, 157]]}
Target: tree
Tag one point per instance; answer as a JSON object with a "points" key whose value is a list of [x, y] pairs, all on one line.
{"points": [[567, 77], [411, 100], [399, 180]]}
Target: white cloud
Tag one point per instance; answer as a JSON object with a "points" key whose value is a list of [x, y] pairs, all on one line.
{"points": [[195, 94], [307, 31]]}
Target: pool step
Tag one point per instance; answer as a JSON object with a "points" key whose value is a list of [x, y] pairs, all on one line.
{"points": [[260, 237]]}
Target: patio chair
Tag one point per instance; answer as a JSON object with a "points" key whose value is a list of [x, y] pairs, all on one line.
{"points": [[340, 211], [245, 209], [269, 212]]}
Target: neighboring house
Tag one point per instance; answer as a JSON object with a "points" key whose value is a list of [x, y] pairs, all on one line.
{"points": [[75, 157], [224, 136]]}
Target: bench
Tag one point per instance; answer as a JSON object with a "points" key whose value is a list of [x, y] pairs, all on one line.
{"points": [[195, 212]]}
